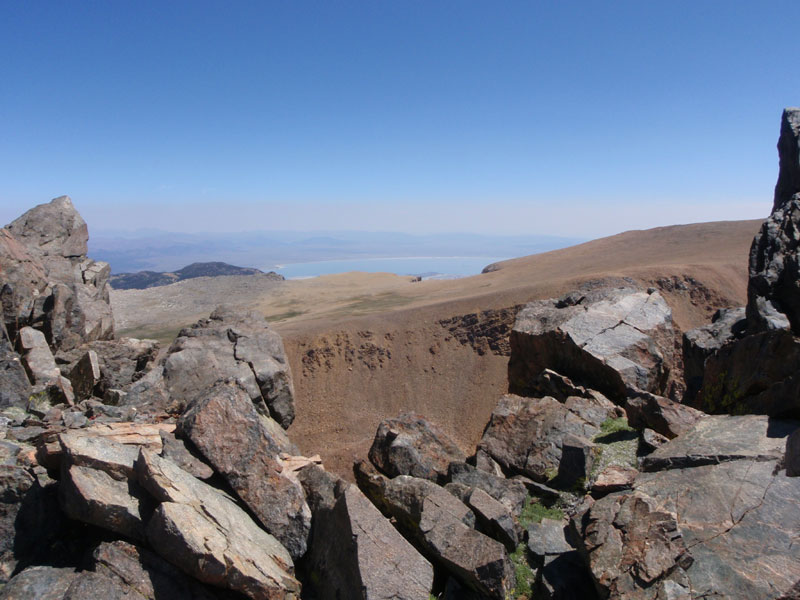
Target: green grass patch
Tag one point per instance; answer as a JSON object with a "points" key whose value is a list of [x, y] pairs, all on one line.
{"points": [[534, 511], [615, 425], [524, 575]]}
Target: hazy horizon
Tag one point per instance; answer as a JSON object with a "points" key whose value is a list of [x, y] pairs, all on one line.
{"points": [[571, 119]]}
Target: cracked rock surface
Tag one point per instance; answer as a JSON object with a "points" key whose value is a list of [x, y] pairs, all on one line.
{"points": [[238, 346], [717, 516], [606, 339]]}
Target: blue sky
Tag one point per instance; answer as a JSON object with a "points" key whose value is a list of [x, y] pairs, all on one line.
{"points": [[570, 118]]}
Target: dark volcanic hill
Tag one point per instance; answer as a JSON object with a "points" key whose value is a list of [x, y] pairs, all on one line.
{"points": [[147, 279]]}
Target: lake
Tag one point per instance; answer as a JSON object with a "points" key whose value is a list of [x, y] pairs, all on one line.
{"points": [[429, 267]]}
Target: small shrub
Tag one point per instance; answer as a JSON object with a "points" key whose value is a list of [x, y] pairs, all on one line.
{"points": [[615, 425], [523, 573]]}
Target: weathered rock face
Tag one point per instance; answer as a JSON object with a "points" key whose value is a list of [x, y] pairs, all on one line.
{"points": [[670, 419], [355, 553], [633, 546], [49, 283], [442, 526], [773, 293], [702, 342], [235, 346], [723, 438], [209, 537], [714, 514], [607, 340], [509, 492], [224, 426], [410, 445], [757, 374], [525, 435], [15, 388]]}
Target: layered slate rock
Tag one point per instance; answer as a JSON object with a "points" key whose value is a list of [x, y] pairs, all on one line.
{"points": [[442, 527], [209, 537], [99, 486], [410, 445], [224, 426], [726, 325], [606, 340], [662, 415], [354, 551], [773, 292], [525, 435], [231, 345]]}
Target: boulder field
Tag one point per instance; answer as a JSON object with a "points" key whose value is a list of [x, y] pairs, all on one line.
{"points": [[626, 461]]}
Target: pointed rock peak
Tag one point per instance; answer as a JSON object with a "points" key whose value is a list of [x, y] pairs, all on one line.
{"points": [[53, 229], [789, 157]]}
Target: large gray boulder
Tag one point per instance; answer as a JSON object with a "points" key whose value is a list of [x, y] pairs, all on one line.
{"points": [[237, 346], [410, 445], [607, 340], [354, 552], [207, 536], [525, 435], [53, 229], [224, 426], [662, 415]]}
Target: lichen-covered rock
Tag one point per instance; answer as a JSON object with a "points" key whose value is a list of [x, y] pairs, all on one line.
{"points": [[410, 445], [606, 340], [224, 426], [41, 583]]}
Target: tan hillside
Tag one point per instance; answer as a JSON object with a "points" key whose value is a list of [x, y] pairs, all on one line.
{"points": [[366, 346]]}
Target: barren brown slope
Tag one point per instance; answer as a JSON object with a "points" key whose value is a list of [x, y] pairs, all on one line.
{"points": [[444, 353]]}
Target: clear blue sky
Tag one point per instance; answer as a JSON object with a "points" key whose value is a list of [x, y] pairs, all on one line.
{"points": [[571, 118]]}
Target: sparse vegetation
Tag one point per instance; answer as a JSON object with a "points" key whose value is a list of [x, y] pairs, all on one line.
{"points": [[618, 444], [524, 575], [534, 511]]}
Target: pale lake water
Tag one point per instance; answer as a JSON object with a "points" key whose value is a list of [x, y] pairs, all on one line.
{"points": [[429, 267]]}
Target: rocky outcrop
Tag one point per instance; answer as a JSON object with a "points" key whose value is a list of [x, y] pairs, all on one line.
{"points": [[606, 340], [147, 279], [633, 547], [525, 435], [700, 343], [410, 445], [773, 295], [442, 527], [237, 346], [224, 426], [670, 419], [354, 551], [15, 387], [52, 285]]}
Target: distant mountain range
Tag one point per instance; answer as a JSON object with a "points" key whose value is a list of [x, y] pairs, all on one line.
{"points": [[156, 251], [147, 279]]}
